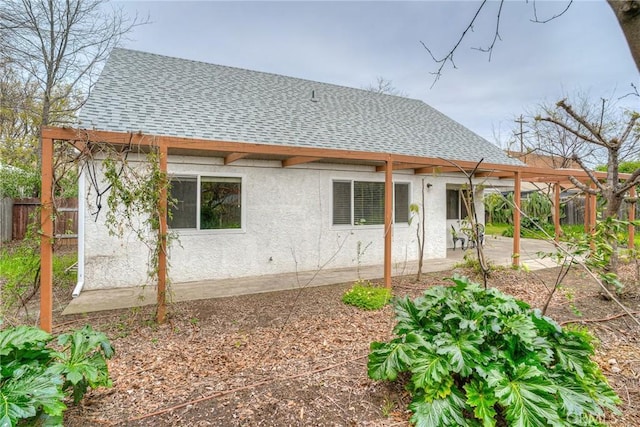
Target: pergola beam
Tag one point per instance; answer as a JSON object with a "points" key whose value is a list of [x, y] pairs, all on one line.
{"points": [[233, 157], [435, 169], [299, 160], [183, 143], [398, 166]]}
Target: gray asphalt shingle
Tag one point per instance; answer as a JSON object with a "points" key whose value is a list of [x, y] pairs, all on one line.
{"points": [[161, 95]]}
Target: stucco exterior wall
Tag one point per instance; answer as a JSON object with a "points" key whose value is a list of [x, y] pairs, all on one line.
{"points": [[287, 226]]}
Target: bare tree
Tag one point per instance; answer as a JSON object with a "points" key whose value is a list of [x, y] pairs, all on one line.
{"points": [[557, 145], [627, 12], [21, 115], [620, 139], [385, 86], [60, 46]]}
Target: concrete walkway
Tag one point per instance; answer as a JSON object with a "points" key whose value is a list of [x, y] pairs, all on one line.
{"points": [[498, 251]]}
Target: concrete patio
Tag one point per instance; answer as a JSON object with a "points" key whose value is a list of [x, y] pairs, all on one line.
{"points": [[498, 251]]}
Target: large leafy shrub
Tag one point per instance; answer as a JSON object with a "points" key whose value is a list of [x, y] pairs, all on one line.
{"points": [[35, 377], [480, 357]]}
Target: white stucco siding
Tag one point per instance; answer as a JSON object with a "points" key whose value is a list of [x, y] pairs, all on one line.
{"points": [[287, 226]]}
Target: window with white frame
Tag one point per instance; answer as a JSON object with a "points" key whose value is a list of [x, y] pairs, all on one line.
{"points": [[206, 203], [362, 203]]}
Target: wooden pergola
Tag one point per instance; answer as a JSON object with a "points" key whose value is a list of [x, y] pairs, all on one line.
{"points": [[84, 139]]}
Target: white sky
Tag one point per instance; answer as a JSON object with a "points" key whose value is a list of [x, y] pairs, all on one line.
{"points": [[352, 43]]}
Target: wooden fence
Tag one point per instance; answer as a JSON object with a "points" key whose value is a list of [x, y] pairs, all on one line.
{"points": [[572, 211], [26, 213]]}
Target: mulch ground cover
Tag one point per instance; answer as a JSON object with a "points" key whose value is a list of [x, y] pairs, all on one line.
{"points": [[298, 358]]}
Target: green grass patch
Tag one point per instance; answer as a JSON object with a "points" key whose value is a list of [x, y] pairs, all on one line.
{"points": [[567, 231], [495, 229], [19, 266], [364, 295]]}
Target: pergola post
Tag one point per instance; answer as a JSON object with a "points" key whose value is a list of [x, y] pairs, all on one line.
{"points": [[162, 237], [556, 210], [388, 218], [46, 237], [632, 217], [590, 205], [593, 210], [587, 212], [516, 218]]}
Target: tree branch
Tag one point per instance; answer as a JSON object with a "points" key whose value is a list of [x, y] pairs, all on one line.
{"points": [[590, 174], [625, 134], [496, 35], [582, 187], [538, 21], [582, 121], [633, 180], [570, 130], [449, 57]]}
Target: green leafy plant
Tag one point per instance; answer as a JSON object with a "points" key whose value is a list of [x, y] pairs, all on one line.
{"points": [[363, 294], [470, 261], [480, 357], [599, 249], [35, 378]]}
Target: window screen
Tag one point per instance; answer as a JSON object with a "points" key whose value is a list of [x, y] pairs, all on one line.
{"points": [[183, 209], [368, 203], [341, 203], [453, 204], [401, 202]]}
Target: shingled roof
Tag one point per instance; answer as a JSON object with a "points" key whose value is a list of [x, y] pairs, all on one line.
{"points": [[161, 95]]}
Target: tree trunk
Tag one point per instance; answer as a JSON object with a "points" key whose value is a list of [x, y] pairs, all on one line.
{"points": [[628, 14]]}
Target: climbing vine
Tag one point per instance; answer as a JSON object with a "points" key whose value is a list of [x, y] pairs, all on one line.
{"points": [[129, 182]]}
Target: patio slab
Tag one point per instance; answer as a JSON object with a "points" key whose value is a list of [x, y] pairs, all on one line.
{"points": [[497, 250]]}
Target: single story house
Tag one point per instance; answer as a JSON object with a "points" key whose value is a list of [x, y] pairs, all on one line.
{"points": [[287, 174]]}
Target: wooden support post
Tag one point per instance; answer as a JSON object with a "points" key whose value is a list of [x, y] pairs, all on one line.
{"points": [[516, 219], [556, 210], [587, 212], [632, 217], [162, 238], [388, 218], [592, 212], [46, 237]]}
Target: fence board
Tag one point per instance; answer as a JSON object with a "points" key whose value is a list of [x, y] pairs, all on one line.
{"points": [[26, 214], [6, 208]]}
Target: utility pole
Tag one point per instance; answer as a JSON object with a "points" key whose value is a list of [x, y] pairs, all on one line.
{"points": [[521, 121]]}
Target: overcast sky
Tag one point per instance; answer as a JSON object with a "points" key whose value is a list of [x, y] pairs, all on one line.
{"points": [[352, 43]]}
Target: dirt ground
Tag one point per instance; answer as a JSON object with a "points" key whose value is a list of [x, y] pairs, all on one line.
{"points": [[298, 358]]}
